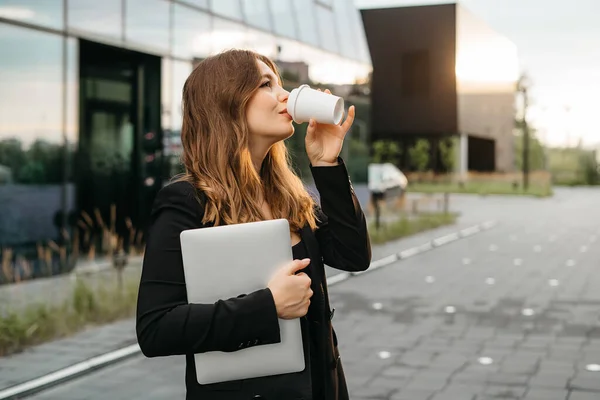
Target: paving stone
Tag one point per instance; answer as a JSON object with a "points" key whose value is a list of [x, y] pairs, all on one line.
{"points": [[575, 395], [526, 368], [549, 381], [587, 383], [503, 392], [413, 395], [546, 394], [395, 371], [373, 392], [428, 380], [388, 384], [459, 391]]}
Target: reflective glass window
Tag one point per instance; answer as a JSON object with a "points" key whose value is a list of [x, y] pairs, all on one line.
{"points": [[261, 42], [283, 18], [321, 69], [178, 73], [166, 78], [346, 38], [227, 8], [191, 32], [327, 29], [227, 35], [147, 23], [102, 18], [31, 151], [257, 13], [306, 17], [197, 3], [288, 50], [72, 100], [48, 13], [327, 3], [361, 52]]}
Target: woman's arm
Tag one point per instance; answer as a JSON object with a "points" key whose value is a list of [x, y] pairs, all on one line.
{"points": [[342, 229], [166, 323]]}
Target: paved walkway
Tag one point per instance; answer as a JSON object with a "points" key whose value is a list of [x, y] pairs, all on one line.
{"points": [[509, 313]]}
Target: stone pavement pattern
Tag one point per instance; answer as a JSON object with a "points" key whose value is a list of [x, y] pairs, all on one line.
{"points": [[510, 313]]}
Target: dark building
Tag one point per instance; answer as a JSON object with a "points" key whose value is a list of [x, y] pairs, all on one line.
{"points": [[441, 73]]}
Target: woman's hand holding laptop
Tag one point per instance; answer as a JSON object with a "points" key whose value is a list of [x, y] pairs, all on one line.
{"points": [[291, 290]]}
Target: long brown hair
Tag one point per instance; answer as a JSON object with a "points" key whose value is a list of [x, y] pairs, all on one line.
{"points": [[216, 156]]}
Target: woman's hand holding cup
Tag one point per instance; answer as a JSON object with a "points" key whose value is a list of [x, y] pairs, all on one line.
{"points": [[327, 128]]}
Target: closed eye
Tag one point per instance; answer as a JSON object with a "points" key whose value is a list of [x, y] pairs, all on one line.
{"points": [[266, 84]]}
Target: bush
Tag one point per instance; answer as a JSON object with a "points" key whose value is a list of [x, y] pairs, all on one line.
{"points": [[409, 225], [87, 306]]}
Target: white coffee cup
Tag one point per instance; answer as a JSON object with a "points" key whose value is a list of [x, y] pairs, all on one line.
{"points": [[305, 103]]}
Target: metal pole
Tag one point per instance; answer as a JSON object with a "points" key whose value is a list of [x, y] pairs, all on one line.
{"points": [[525, 141]]}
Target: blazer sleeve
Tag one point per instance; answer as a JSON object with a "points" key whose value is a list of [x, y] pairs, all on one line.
{"points": [[342, 228], [166, 324]]}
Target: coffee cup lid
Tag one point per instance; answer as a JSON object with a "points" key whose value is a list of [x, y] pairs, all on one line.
{"points": [[291, 103]]}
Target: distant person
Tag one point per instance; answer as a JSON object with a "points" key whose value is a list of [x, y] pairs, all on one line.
{"points": [[237, 170]]}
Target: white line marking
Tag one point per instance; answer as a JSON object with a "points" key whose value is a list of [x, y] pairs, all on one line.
{"points": [[73, 370], [337, 278], [408, 253], [446, 239], [469, 231]]}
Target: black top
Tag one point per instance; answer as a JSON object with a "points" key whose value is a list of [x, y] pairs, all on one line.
{"points": [[168, 325], [313, 350]]}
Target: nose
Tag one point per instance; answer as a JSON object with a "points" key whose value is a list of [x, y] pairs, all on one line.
{"points": [[283, 96]]}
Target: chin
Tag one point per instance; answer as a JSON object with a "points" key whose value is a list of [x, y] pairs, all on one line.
{"points": [[287, 133], [292, 130]]}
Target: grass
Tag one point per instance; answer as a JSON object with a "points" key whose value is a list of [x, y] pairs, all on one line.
{"points": [[88, 305], [482, 188], [407, 226]]}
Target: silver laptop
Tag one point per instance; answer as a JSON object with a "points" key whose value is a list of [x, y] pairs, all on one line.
{"points": [[224, 262]]}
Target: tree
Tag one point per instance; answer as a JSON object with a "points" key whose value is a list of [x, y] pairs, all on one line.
{"points": [[523, 88], [12, 155], [537, 156], [386, 151], [447, 154], [419, 155], [42, 163], [589, 168]]}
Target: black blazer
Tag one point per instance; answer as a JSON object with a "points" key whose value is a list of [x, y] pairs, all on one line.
{"points": [[167, 325]]}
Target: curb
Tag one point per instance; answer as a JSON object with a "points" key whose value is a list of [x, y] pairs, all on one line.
{"points": [[66, 374], [105, 360]]}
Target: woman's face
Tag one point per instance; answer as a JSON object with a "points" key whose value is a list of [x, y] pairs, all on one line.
{"points": [[266, 113]]}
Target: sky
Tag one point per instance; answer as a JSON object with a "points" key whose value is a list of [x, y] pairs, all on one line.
{"points": [[559, 48]]}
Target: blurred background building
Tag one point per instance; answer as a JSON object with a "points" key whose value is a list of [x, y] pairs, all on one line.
{"points": [[90, 97], [441, 74]]}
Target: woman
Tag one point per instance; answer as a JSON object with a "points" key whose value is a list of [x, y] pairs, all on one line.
{"points": [[234, 124]]}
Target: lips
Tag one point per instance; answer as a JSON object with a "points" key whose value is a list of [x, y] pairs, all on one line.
{"points": [[285, 112]]}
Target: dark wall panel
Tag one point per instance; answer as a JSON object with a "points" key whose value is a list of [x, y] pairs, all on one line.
{"points": [[414, 81], [482, 154]]}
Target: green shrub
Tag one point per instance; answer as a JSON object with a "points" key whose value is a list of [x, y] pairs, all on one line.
{"points": [[409, 225], [88, 305]]}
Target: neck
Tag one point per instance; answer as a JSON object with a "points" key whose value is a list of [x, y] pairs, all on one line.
{"points": [[257, 162], [258, 152]]}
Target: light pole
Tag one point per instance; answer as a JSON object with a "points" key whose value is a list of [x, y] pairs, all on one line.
{"points": [[522, 87]]}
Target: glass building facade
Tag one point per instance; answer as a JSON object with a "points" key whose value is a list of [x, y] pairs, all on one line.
{"points": [[90, 97]]}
